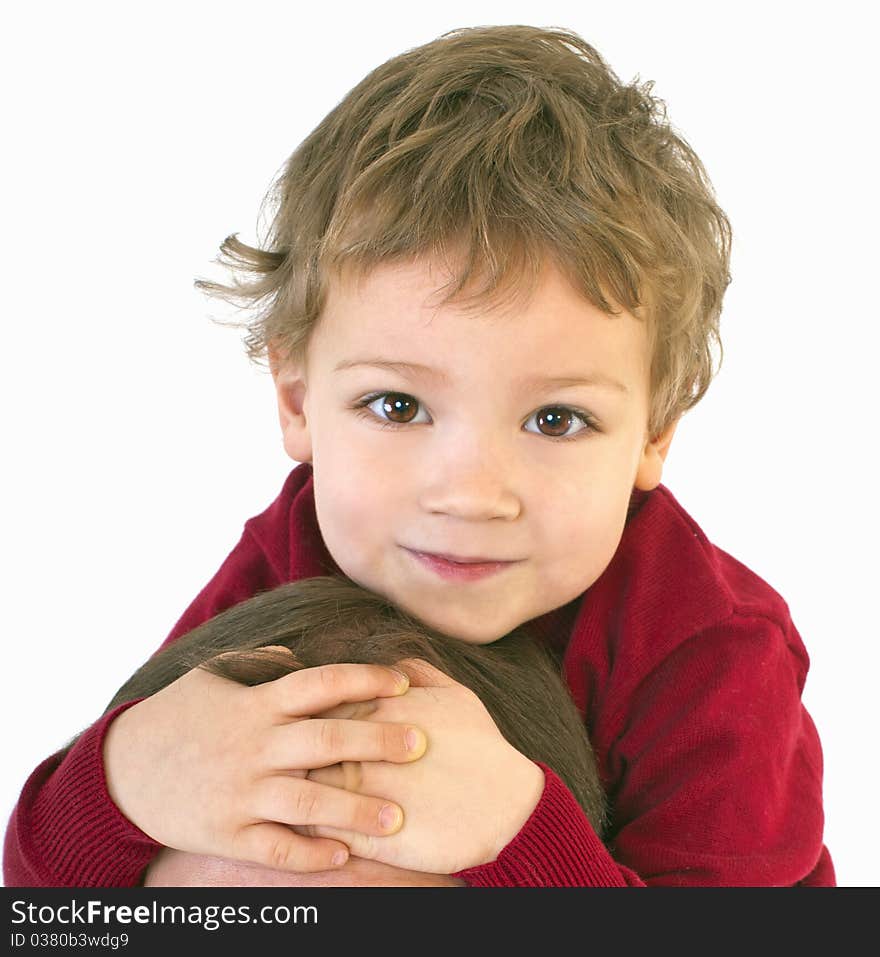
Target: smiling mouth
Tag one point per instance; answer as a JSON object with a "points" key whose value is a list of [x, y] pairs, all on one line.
{"points": [[458, 568]]}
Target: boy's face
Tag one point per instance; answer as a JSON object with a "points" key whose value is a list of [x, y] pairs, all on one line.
{"points": [[474, 468]]}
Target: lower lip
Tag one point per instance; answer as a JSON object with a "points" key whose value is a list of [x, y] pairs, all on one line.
{"points": [[459, 571]]}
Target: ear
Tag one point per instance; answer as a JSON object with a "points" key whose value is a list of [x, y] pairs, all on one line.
{"points": [[650, 469], [290, 390]]}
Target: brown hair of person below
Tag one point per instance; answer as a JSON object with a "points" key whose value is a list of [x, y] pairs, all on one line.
{"points": [[332, 620], [490, 149]]}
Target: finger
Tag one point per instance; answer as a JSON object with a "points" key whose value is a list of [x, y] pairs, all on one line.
{"points": [[421, 674], [359, 845], [279, 847], [318, 742], [347, 775], [253, 666], [246, 652], [351, 709], [255, 652], [301, 802], [313, 690]]}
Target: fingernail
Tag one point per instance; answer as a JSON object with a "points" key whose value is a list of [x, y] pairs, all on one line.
{"points": [[413, 739], [389, 817], [339, 858], [402, 679]]}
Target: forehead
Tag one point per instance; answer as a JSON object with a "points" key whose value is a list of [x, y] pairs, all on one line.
{"points": [[396, 311]]}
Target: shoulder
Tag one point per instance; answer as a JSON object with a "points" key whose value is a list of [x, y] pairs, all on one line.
{"points": [[663, 544], [287, 532], [670, 592]]}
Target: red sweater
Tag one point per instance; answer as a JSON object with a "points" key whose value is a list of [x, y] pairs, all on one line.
{"points": [[688, 671]]}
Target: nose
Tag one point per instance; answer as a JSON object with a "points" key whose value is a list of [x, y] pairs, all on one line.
{"points": [[470, 478]]}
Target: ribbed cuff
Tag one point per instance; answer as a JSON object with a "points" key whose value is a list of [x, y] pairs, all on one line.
{"points": [[75, 836], [556, 847]]}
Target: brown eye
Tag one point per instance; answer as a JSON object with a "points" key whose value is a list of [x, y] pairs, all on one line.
{"points": [[554, 420], [399, 407]]}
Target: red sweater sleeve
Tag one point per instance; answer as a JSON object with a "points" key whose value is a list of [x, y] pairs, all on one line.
{"points": [[45, 844], [65, 830], [718, 766], [716, 770], [557, 847]]}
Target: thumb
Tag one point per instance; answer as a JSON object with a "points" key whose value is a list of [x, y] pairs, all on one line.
{"points": [[421, 674]]}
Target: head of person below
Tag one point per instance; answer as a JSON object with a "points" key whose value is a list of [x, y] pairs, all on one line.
{"points": [[320, 621]]}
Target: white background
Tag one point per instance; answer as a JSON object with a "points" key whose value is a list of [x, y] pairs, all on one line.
{"points": [[137, 439]]}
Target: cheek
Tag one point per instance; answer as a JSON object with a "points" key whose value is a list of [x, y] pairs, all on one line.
{"points": [[348, 449], [345, 507], [358, 497], [356, 515], [358, 476], [581, 533]]}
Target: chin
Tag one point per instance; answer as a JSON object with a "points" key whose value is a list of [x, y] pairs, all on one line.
{"points": [[467, 629], [468, 625]]}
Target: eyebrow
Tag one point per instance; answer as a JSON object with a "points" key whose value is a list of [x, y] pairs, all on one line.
{"points": [[414, 370], [597, 380], [411, 370]]}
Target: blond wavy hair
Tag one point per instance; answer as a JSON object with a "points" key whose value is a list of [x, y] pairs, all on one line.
{"points": [[492, 148]]}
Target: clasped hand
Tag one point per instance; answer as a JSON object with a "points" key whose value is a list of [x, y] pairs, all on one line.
{"points": [[258, 774], [465, 798]]}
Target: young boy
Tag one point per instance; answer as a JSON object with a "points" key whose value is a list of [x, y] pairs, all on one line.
{"points": [[490, 292]]}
